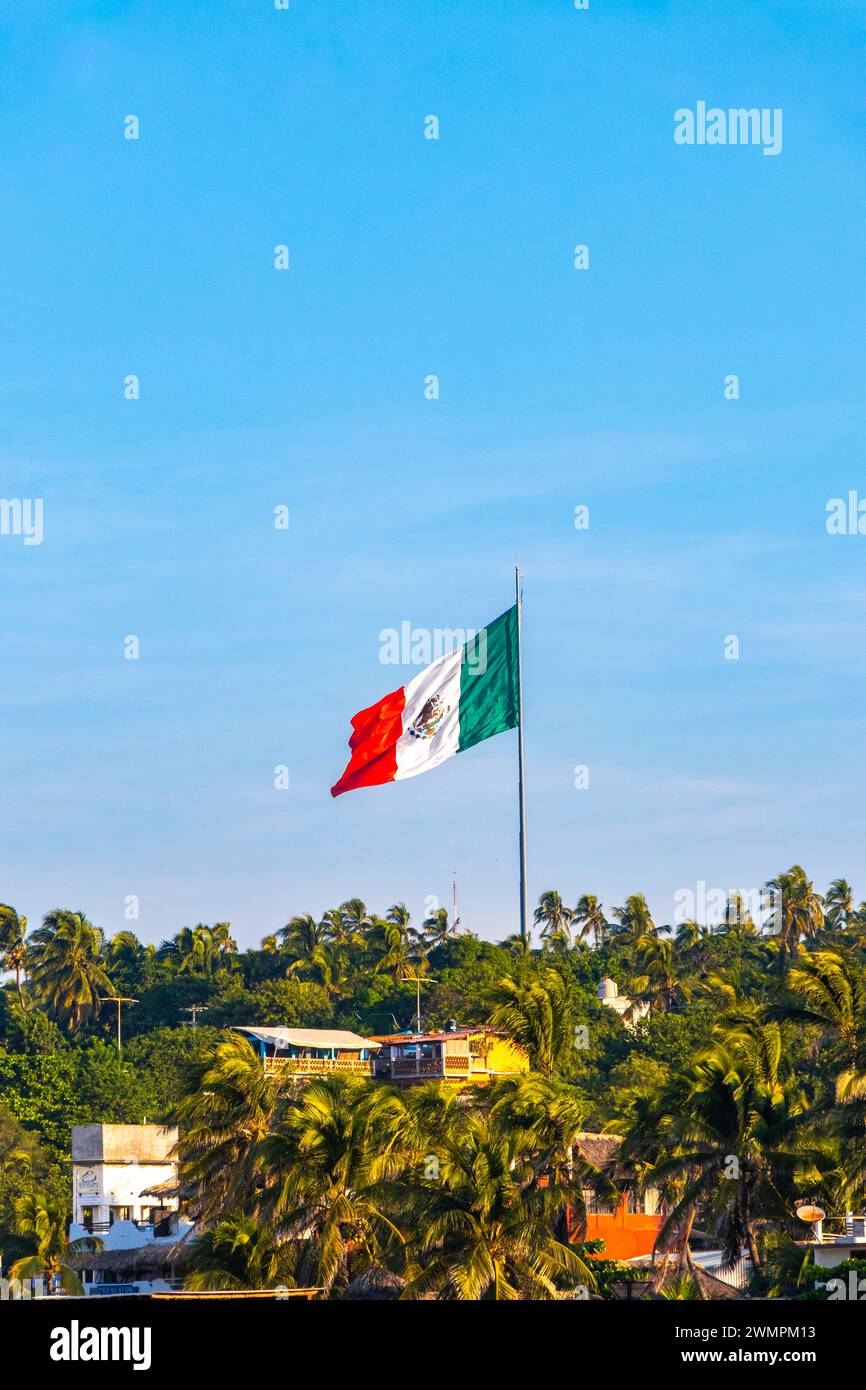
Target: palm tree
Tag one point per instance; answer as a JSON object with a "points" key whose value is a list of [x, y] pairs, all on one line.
{"points": [[227, 1109], [438, 928], [344, 932], [830, 987], [798, 914], [547, 1117], [357, 921], [635, 920], [327, 966], [301, 936], [485, 1224], [658, 984], [401, 917], [327, 1163], [554, 918], [129, 960], [689, 938], [18, 1146], [13, 951], [738, 917], [682, 1287], [327, 951], [221, 934], [241, 1252], [589, 916], [193, 951], [839, 909], [721, 990], [43, 1222], [729, 1131], [787, 1265], [396, 946], [337, 931], [424, 1118], [66, 966], [537, 1014], [518, 946], [127, 951]]}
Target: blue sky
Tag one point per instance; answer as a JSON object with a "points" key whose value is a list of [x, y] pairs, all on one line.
{"points": [[559, 387]]}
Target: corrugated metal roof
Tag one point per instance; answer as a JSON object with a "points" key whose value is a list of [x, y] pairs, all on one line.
{"points": [[310, 1037], [481, 1031]]}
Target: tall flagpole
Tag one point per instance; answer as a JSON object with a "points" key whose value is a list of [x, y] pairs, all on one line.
{"points": [[524, 915]]}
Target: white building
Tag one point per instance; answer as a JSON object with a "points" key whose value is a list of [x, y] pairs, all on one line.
{"points": [[112, 1166], [608, 993], [124, 1192], [836, 1239]]}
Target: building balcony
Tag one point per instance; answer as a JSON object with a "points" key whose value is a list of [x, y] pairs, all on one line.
{"points": [[837, 1238], [131, 1235], [101, 1228], [316, 1066], [311, 1051], [456, 1055], [430, 1067], [838, 1230]]}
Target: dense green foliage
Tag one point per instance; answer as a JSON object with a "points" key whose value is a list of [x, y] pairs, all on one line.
{"points": [[737, 1077]]}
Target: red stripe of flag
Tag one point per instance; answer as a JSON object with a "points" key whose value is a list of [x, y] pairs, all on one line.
{"points": [[374, 744]]}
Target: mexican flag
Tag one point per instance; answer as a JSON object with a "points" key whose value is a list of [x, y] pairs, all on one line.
{"points": [[466, 696]]}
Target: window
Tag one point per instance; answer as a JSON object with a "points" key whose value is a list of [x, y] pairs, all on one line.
{"points": [[87, 1218], [152, 1216], [119, 1214], [598, 1206]]}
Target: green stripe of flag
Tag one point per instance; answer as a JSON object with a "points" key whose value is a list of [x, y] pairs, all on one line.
{"points": [[488, 682]]}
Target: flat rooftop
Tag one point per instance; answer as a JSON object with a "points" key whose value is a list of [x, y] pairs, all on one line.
{"points": [[122, 1143]]}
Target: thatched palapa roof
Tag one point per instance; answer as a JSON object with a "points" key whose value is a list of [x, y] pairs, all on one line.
{"points": [[141, 1259], [374, 1285]]}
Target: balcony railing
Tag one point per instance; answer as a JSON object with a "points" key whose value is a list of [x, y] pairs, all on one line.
{"points": [[100, 1228], [431, 1066], [316, 1066], [416, 1066], [836, 1230]]}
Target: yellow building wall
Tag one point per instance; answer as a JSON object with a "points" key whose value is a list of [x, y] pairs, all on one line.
{"points": [[506, 1056]]}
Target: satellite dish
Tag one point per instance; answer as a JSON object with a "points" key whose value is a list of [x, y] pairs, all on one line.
{"points": [[811, 1214]]}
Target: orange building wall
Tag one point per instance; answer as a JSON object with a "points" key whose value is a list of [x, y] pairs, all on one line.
{"points": [[626, 1234]]}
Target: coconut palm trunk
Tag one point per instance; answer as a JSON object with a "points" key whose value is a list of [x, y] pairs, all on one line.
{"points": [[748, 1227]]}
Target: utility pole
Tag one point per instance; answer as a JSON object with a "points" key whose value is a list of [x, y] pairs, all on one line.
{"points": [[118, 999], [418, 981], [524, 913], [195, 1010]]}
